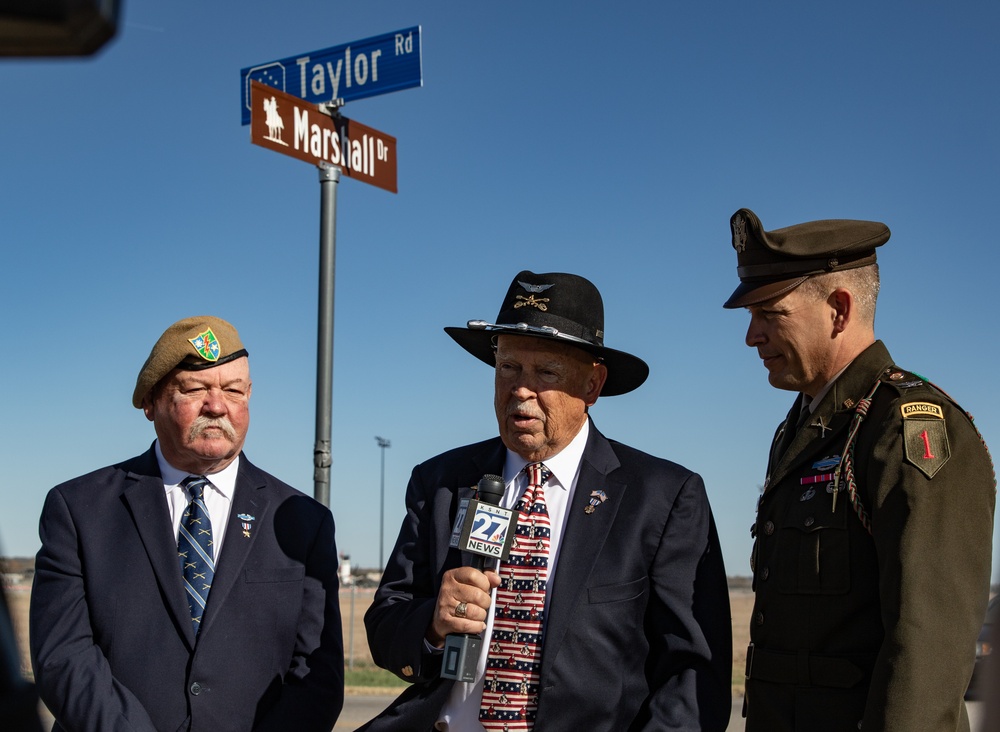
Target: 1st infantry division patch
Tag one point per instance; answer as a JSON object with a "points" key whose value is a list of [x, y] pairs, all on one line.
{"points": [[925, 437]]}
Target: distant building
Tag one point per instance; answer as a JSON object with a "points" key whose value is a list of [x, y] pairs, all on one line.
{"points": [[345, 570]]}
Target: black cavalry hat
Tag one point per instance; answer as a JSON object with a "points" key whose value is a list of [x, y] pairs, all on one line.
{"points": [[771, 263], [561, 307]]}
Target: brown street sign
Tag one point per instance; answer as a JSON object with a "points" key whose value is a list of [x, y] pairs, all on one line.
{"points": [[294, 127]]}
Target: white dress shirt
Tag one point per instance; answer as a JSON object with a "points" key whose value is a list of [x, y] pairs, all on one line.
{"points": [[461, 712], [218, 496]]}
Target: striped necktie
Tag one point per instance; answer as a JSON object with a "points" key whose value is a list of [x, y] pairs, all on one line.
{"points": [[195, 548], [512, 682]]}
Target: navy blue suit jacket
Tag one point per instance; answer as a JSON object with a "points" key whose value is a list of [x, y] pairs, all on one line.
{"points": [[638, 634], [111, 636]]}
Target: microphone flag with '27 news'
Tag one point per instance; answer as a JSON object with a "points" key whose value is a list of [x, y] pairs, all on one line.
{"points": [[487, 532]]}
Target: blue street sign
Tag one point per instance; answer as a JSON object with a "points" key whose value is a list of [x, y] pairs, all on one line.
{"points": [[376, 65]]}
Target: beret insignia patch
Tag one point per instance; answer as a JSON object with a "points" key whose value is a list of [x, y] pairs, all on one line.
{"points": [[207, 345], [925, 437]]}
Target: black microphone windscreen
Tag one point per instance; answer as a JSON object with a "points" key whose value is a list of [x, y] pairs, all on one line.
{"points": [[491, 489]]}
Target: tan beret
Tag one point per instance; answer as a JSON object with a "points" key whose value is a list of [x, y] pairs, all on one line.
{"points": [[191, 344]]}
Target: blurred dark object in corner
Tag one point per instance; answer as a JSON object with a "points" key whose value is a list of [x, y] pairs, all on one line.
{"points": [[18, 700], [56, 27]]}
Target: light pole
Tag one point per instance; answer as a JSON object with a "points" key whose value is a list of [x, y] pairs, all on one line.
{"points": [[382, 443]]}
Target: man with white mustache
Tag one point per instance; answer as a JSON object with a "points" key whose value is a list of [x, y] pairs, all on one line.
{"points": [[613, 612], [139, 620]]}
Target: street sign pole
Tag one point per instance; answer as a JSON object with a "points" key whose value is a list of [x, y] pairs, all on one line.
{"points": [[310, 127], [329, 179]]}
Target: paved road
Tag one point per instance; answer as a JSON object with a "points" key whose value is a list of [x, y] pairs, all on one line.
{"points": [[358, 709]]}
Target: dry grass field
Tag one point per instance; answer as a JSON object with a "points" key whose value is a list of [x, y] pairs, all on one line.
{"points": [[354, 603]]}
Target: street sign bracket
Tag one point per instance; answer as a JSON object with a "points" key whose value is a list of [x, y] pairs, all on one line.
{"points": [[332, 107]]}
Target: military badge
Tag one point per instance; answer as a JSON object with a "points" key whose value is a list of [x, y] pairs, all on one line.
{"points": [[207, 345], [739, 233], [827, 463], [531, 300], [596, 499], [925, 437], [533, 288], [246, 523]]}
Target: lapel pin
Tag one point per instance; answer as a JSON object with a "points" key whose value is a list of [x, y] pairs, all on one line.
{"points": [[245, 522], [596, 499]]}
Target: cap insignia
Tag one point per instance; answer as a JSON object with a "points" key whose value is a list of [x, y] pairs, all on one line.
{"points": [[531, 300], [739, 233], [535, 302], [536, 289], [207, 345]]}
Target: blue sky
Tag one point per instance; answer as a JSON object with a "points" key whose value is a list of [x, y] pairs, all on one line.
{"points": [[555, 136]]}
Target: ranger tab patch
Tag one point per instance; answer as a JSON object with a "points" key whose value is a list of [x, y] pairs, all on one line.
{"points": [[925, 437]]}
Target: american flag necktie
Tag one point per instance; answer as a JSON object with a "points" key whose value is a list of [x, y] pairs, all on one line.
{"points": [[511, 685], [195, 549]]}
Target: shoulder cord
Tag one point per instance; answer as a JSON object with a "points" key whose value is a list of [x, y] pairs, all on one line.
{"points": [[846, 467]]}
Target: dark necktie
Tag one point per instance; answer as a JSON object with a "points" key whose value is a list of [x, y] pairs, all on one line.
{"points": [[195, 548], [789, 432], [512, 681]]}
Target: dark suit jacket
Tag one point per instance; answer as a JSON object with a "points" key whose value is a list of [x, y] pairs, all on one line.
{"points": [[638, 633], [111, 637]]}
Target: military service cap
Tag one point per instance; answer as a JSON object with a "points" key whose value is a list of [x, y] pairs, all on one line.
{"points": [[771, 263], [191, 344], [559, 307]]}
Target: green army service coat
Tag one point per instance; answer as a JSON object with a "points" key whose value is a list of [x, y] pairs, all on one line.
{"points": [[875, 630]]}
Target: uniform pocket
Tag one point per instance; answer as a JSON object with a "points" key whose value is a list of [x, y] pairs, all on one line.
{"points": [[813, 555]]}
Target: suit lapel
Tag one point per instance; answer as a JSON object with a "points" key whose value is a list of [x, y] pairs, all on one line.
{"points": [[147, 503], [248, 500], [490, 462], [582, 541]]}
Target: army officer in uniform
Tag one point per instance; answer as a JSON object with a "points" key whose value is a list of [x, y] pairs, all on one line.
{"points": [[873, 535]]}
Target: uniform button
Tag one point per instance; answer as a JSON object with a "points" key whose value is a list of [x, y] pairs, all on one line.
{"points": [[407, 671], [769, 528], [759, 618], [766, 571], [809, 521], [196, 688]]}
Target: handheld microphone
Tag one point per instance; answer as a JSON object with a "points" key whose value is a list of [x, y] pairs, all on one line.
{"points": [[487, 532]]}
